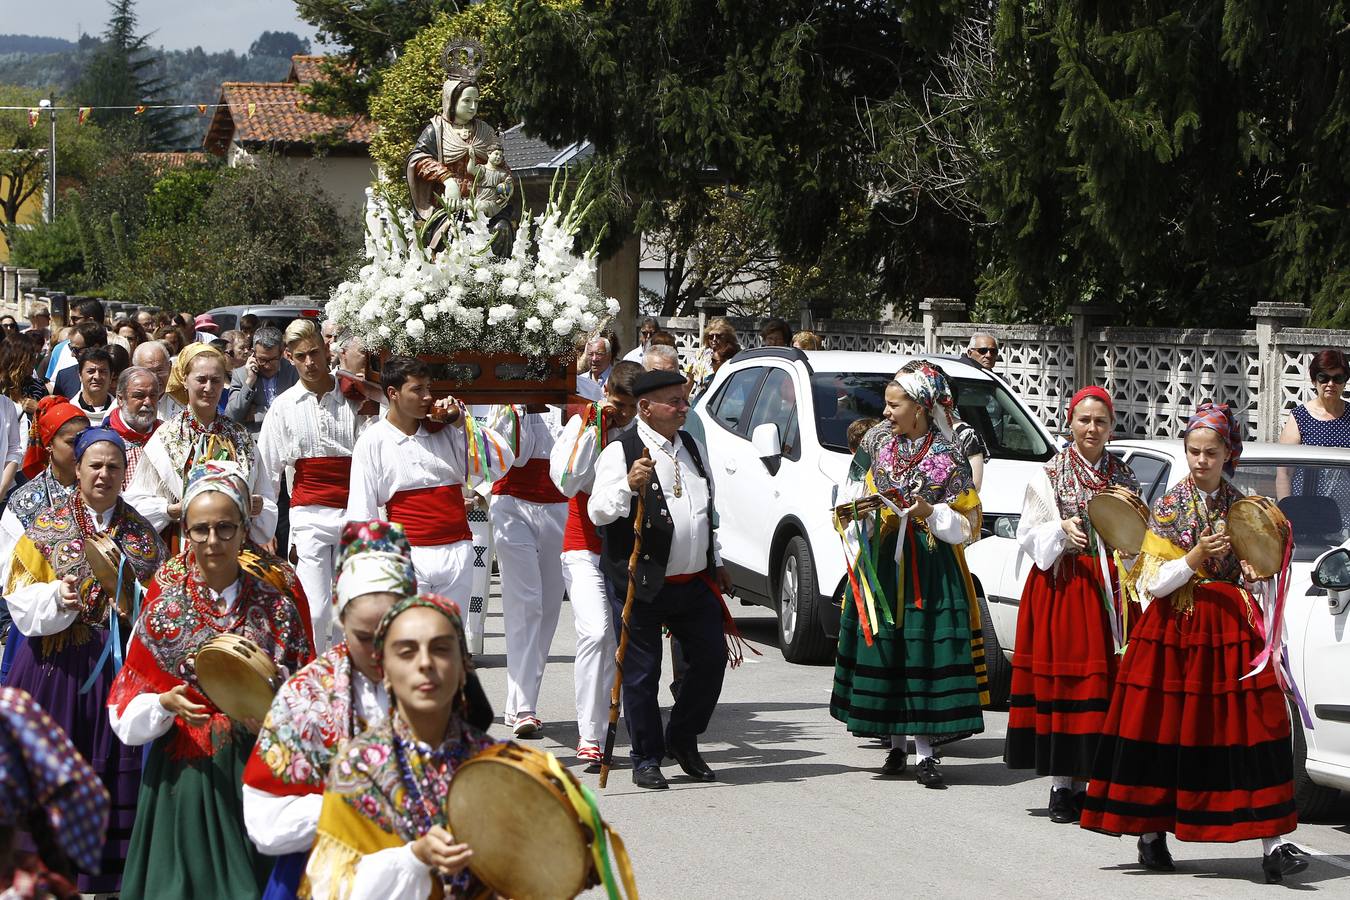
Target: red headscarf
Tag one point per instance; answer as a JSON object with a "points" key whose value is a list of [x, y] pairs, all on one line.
{"points": [[52, 413], [1091, 392], [1219, 418]]}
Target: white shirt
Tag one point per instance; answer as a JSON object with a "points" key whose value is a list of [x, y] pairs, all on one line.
{"points": [[302, 425], [284, 823], [36, 608], [12, 444], [145, 718], [1039, 532], [612, 499], [169, 407], [538, 432], [636, 354], [96, 417], [386, 461], [578, 446]]}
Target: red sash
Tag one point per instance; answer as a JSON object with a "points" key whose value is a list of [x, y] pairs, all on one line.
{"points": [[530, 482], [580, 533], [322, 481], [431, 516]]}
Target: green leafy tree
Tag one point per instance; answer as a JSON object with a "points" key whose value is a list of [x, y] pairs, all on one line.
{"points": [[124, 71], [1179, 161], [372, 33], [23, 151]]}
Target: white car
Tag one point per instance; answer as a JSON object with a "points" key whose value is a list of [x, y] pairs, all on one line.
{"points": [[1316, 500], [774, 423]]}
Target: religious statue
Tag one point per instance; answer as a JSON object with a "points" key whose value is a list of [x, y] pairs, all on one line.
{"points": [[457, 166]]}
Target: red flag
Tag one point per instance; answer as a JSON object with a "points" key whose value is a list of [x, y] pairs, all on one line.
{"points": [[32, 118], [139, 110], [84, 113], [201, 109]]}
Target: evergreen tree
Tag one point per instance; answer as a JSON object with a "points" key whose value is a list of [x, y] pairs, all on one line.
{"points": [[126, 71]]}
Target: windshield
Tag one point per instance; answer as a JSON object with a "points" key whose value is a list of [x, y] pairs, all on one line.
{"points": [[1005, 427], [1314, 498]]}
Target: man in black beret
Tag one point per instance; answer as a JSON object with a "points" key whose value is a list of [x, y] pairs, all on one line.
{"points": [[679, 575]]}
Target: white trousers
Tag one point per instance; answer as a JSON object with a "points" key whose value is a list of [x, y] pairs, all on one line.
{"points": [[480, 524], [594, 668], [445, 569], [315, 531], [528, 538]]}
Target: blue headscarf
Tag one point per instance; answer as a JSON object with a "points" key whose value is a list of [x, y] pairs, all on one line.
{"points": [[91, 436]]}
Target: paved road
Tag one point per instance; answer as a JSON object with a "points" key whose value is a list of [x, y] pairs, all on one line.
{"points": [[798, 810]]}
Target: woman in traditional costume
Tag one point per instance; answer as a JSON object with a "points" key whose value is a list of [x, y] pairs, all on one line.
{"points": [[189, 839], [198, 434], [1191, 746], [77, 632], [382, 832], [1065, 663], [49, 464], [326, 703], [48, 792], [906, 662]]}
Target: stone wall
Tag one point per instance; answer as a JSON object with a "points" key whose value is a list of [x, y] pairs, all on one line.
{"points": [[1155, 375]]}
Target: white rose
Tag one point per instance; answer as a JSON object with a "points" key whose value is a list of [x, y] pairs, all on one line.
{"points": [[546, 307], [509, 286], [456, 292], [384, 331], [482, 275], [430, 311], [612, 306]]}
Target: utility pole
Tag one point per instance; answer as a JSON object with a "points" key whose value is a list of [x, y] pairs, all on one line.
{"points": [[51, 161]]}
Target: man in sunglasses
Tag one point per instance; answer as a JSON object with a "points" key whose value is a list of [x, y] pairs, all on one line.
{"points": [[983, 348], [646, 329]]}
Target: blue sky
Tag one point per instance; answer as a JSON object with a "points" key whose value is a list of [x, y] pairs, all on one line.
{"points": [[214, 25]]}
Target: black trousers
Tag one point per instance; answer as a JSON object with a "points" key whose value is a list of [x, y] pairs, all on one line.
{"points": [[693, 614]]}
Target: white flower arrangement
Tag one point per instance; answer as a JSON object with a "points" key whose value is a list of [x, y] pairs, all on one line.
{"points": [[535, 302]]}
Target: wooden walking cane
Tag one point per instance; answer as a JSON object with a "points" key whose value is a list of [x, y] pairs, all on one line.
{"points": [[608, 758]]}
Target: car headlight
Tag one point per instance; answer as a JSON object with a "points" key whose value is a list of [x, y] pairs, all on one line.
{"points": [[1006, 527]]}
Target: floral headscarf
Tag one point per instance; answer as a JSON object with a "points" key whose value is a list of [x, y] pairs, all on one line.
{"points": [[40, 769], [177, 386], [221, 476], [443, 605], [1219, 418], [373, 557], [929, 388]]}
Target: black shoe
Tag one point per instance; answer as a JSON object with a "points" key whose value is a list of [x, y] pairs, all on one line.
{"points": [[929, 776], [650, 777], [896, 762], [1285, 859], [692, 764], [1062, 808], [1155, 855]]}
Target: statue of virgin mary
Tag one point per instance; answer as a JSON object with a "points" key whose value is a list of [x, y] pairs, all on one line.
{"points": [[449, 164]]}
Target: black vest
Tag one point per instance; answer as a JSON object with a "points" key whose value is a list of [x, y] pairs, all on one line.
{"points": [[658, 529]]}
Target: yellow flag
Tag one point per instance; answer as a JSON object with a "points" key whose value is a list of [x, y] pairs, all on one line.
{"points": [[32, 118], [139, 110], [84, 113], [252, 108]]}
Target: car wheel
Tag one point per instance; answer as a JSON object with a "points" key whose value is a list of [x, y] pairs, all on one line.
{"points": [[799, 632], [1314, 801], [995, 663]]}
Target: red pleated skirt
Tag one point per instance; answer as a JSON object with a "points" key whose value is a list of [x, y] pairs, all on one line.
{"points": [[1187, 747], [1064, 668]]}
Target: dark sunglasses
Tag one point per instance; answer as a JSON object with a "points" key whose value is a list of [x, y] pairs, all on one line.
{"points": [[984, 350], [1326, 378]]}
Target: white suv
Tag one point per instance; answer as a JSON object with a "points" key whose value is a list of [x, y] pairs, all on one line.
{"points": [[774, 424]]}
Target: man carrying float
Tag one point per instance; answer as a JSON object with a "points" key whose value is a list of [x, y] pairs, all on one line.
{"points": [[416, 469], [312, 427]]}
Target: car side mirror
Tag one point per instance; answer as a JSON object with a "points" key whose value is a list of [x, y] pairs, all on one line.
{"points": [[768, 446], [1332, 570]]}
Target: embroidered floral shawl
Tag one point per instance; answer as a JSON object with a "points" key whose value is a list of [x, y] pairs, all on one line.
{"points": [[312, 715], [53, 547], [1071, 496], [1180, 516], [186, 443], [940, 477], [174, 626], [43, 492]]}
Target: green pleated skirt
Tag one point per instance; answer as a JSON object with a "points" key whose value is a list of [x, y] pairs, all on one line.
{"points": [[918, 677], [189, 839]]}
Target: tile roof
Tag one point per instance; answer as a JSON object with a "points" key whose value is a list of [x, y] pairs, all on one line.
{"points": [[305, 69], [163, 162], [277, 117], [526, 153]]}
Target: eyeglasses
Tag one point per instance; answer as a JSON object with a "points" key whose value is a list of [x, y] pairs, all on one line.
{"points": [[1328, 378], [993, 351], [714, 337], [225, 531], [674, 404], [648, 334]]}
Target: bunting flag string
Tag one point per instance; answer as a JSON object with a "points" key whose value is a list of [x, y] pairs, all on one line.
{"points": [[83, 112]]}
